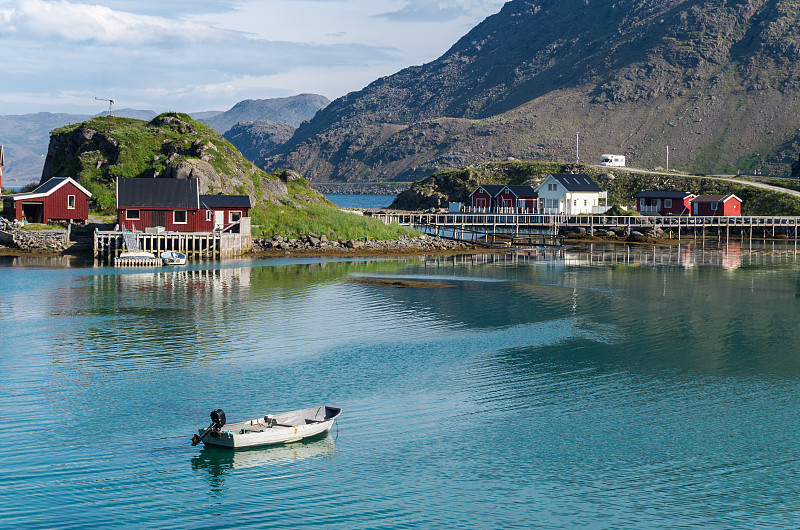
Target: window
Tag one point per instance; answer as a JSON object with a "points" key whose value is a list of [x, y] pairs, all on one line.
{"points": [[714, 206], [234, 217], [70, 202], [179, 217], [209, 215], [585, 202], [574, 202], [132, 215], [667, 203], [641, 202]]}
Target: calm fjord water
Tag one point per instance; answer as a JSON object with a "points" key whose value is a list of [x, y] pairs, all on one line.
{"points": [[532, 391]]}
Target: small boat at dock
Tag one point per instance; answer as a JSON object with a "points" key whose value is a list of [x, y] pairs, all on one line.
{"points": [[173, 258], [268, 430]]}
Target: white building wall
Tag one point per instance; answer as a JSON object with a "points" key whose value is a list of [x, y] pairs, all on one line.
{"points": [[555, 199]]}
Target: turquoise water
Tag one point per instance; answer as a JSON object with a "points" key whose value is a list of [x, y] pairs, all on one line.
{"points": [[595, 389], [361, 201]]}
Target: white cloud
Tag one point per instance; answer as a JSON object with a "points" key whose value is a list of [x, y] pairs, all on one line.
{"points": [[194, 55], [67, 21]]}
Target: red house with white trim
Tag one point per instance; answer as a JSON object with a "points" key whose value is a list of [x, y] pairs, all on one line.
{"points": [[484, 198], [664, 202], [176, 205], [716, 205], [58, 199]]}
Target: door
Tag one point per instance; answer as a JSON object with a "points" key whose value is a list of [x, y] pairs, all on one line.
{"points": [[219, 220], [158, 218]]}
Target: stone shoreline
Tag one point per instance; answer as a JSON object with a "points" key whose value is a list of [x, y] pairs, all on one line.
{"points": [[322, 244]]}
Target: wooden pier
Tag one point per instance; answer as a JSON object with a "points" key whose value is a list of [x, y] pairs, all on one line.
{"points": [[679, 226], [108, 245]]}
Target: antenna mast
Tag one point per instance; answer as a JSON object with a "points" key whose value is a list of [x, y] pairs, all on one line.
{"points": [[110, 110]]}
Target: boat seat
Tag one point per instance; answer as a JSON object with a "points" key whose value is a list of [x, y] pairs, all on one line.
{"points": [[308, 421]]}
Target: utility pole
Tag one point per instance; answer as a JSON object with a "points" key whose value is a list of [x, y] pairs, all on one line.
{"points": [[667, 158], [577, 153]]}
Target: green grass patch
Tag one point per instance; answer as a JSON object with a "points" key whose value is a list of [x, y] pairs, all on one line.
{"points": [[293, 221]]}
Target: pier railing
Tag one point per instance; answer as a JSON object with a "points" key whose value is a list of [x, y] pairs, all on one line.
{"points": [[554, 221]]}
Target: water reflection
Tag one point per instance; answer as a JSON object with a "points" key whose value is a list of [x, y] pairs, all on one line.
{"points": [[218, 462]]}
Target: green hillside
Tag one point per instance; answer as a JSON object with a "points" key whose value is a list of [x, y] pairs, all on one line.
{"points": [[98, 151]]}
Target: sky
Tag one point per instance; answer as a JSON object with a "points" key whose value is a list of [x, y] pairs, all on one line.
{"points": [[198, 55]]}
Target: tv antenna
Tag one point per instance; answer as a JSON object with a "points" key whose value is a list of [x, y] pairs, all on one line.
{"points": [[110, 110]]}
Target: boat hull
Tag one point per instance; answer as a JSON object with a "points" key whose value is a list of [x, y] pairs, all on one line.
{"points": [[173, 258], [291, 427]]}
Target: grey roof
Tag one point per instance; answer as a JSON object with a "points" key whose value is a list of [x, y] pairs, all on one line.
{"points": [[225, 201], [165, 193], [523, 191], [576, 182], [49, 185], [673, 194], [712, 198], [491, 189]]}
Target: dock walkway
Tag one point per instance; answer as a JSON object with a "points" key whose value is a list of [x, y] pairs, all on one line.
{"points": [[510, 223], [108, 245]]}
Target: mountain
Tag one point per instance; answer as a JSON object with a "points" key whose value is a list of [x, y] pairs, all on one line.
{"points": [[256, 140], [292, 110], [716, 81]]}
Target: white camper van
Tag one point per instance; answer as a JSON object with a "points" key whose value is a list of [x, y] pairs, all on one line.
{"points": [[612, 160]]}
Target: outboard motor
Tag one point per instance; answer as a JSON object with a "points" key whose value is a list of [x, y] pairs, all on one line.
{"points": [[217, 421]]}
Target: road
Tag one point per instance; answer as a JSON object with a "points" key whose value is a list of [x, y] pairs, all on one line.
{"points": [[726, 178]]}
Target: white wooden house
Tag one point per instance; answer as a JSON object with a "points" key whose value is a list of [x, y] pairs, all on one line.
{"points": [[565, 193]]}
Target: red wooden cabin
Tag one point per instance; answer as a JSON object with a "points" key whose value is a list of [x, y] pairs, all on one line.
{"points": [[484, 198], [664, 202], [716, 205], [58, 199], [176, 205]]}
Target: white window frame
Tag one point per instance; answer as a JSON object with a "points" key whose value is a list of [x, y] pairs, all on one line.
{"points": [[185, 217], [209, 215], [70, 200], [714, 206], [129, 215], [230, 216], [667, 203]]}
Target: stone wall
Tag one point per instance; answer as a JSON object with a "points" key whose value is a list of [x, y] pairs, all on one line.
{"points": [[36, 240]]}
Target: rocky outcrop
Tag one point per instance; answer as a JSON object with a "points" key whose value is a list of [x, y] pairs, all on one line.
{"points": [[97, 152]]}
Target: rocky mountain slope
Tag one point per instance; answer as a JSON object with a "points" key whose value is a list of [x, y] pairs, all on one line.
{"points": [[292, 110], [716, 80], [257, 140], [97, 152]]}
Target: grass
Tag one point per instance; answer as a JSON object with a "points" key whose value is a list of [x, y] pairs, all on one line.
{"points": [[293, 221]]}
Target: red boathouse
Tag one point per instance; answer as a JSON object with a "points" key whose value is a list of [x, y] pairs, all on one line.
{"points": [[176, 205], [58, 199]]}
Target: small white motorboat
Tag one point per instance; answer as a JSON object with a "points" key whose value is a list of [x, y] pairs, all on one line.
{"points": [[173, 258], [269, 430], [137, 255]]}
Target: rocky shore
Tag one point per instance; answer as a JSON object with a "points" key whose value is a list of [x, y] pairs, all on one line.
{"points": [[314, 243], [49, 241]]}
